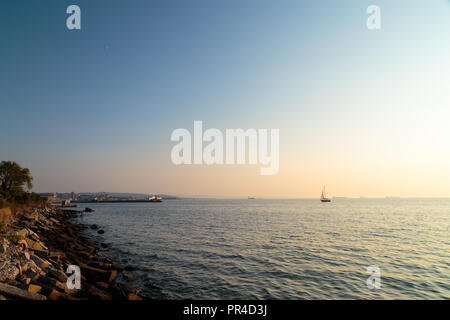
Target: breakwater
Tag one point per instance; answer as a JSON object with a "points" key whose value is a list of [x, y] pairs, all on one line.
{"points": [[39, 246]]}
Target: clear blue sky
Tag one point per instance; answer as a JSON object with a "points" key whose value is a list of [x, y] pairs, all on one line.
{"points": [[93, 110]]}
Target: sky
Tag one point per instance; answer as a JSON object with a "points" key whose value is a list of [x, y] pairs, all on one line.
{"points": [[364, 112]]}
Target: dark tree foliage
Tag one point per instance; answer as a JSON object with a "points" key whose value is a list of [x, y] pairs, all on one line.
{"points": [[13, 179]]}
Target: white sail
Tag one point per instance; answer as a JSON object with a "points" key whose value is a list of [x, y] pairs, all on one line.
{"points": [[323, 197]]}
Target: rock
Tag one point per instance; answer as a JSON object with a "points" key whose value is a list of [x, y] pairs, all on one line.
{"points": [[29, 264], [9, 271], [132, 296], [41, 253], [103, 285], [99, 294], [58, 275], [118, 267], [19, 267], [53, 283], [35, 244], [101, 231], [128, 277], [71, 291], [55, 295], [88, 210], [112, 276], [57, 255], [4, 246], [95, 273], [53, 220], [23, 233], [94, 227], [33, 273], [27, 233], [129, 268], [128, 289], [25, 255], [34, 288], [41, 263], [14, 292], [23, 245], [101, 265]]}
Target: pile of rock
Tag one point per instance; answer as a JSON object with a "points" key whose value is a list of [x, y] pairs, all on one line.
{"points": [[35, 254]]}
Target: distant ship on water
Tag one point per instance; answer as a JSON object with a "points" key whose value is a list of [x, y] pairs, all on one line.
{"points": [[323, 198], [155, 199]]}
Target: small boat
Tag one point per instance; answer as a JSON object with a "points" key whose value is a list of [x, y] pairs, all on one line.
{"points": [[323, 198], [251, 198], [155, 199]]}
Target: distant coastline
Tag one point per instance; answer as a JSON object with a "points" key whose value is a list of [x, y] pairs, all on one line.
{"points": [[117, 201]]}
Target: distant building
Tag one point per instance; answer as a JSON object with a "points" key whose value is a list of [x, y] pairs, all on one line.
{"points": [[63, 196], [51, 197], [86, 197]]}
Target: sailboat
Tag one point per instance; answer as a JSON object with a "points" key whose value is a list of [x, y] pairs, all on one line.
{"points": [[323, 198]]}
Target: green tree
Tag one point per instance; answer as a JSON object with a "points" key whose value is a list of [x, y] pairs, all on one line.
{"points": [[13, 178]]}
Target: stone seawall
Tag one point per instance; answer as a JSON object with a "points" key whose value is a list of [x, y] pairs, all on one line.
{"points": [[38, 248]]}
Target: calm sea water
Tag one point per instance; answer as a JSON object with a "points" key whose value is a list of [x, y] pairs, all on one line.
{"points": [[281, 249]]}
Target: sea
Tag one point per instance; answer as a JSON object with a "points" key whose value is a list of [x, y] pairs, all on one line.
{"points": [[279, 249]]}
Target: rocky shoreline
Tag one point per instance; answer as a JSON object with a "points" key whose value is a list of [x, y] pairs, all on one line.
{"points": [[36, 251]]}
